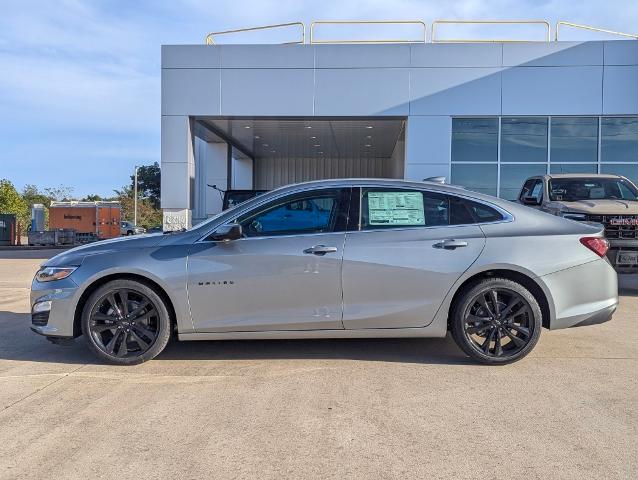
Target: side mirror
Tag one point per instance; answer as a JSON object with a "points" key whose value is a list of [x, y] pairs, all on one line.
{"points": [[226, 233], [531, 201]]}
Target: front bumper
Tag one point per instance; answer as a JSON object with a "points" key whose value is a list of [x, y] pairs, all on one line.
{"points": [[582, 295], [60, 319]]}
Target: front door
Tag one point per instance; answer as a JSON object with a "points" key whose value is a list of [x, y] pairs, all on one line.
{"points": [[285, 274], [402, 261]]}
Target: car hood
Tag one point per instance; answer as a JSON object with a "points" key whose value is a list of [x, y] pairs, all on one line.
{"points": [[600, 207], [76, 255]]}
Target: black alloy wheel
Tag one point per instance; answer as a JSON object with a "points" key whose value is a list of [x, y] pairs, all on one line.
{"points": [[497, 321], [126, 322]]}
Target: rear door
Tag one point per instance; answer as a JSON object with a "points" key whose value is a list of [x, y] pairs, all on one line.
{"points": [[406, 253]]}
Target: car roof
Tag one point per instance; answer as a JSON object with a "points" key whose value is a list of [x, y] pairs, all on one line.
{"points": [[582, 175]]}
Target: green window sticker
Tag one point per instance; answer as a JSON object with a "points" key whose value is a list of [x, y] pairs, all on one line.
{"points": [[395, 208]]}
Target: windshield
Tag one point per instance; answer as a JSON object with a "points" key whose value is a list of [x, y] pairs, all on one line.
{"points": [[574, 189]]}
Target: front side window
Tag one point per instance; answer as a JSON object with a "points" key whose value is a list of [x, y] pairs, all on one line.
{"points": [[320, 211], [575, 189], [383, 208]]}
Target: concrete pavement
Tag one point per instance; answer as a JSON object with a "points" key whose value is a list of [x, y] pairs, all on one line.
{"points": [[413, 408]]}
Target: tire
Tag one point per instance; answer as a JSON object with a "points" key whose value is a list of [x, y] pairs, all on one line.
{"points": [[130, 232], [133, 331], [496, 333]]}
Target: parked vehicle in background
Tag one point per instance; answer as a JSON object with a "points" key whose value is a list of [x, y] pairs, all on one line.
{"points": [[362, 258], [235, 197], [608, 199], [128, 228]]}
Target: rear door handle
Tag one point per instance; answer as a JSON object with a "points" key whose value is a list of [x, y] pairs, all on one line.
{"points": [[320, 250], [450, 244]]}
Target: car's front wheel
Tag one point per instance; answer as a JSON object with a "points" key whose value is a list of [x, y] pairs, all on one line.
{"points": [[496, 321], [126, 322]]}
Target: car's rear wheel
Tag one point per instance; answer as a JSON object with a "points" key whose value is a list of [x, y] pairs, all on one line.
{"points": [[496, 321], [126, 322]]}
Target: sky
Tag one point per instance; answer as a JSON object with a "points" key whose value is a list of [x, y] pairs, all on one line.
{"points": [[80, 80]]}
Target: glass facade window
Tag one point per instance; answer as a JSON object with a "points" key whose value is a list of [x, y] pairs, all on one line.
{"points": [[524, 139], [513, 177], [574, 139], [474, 139], [625, 169], [619, 142], [575, 142], [573, 168], [478, 177]]}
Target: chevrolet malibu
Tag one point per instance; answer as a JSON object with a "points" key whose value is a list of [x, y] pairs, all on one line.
{"points": [[336, 259]]}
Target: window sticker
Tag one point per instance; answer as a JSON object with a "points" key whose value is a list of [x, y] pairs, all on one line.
{"points": [[395, 208]]}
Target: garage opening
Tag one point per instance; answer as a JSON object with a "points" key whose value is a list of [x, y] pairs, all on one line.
{"points": [[285, 151]]}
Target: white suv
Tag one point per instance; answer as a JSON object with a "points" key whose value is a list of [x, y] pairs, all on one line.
{"points": [[127, 228]]}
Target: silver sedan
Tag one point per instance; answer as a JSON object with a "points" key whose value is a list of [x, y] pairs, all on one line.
{"points": [[336, 259]]}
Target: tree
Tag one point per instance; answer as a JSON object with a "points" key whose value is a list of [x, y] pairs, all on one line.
{"points": [[31, 194], [92, 198], [147, 214], [148, 183], [12, 202], [60, 193]]}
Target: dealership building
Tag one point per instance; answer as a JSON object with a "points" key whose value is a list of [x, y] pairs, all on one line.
{"points": [[486, 115]]}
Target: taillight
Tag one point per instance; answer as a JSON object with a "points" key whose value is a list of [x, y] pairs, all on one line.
{"points": [[596, 244]]}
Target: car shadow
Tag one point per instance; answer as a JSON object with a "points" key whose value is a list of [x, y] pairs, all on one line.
{"points": [[628, 284], [19, 343]]}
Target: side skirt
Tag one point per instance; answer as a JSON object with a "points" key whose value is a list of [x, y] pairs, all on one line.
{"points": [[302, 334]]}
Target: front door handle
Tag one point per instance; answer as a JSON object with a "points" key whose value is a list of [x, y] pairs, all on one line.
{"points": [[450, 244], [320, 250]]}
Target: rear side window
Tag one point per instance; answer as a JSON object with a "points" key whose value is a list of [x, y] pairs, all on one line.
{"points": [[385, 208]]}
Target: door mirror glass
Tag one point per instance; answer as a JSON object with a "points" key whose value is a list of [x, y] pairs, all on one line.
{"points": [[226, 233]]}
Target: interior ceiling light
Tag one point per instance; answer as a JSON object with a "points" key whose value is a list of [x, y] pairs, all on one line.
{"points": [[368, 145], [257, 137], [247, 126], [368, 126], [317, 145], [320, 152], [313, 137], [265, 144], [308, 126], [368, 136]]}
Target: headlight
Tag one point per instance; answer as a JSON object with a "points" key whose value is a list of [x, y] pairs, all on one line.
{"points": [[49, 274], [574, 216]]}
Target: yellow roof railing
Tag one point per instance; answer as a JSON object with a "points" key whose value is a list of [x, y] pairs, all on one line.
{"points": [[210, 38], [544, 23], [594, 29], [420, 39]]}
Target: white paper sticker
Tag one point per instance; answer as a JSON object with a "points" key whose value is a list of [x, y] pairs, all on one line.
{"points": [[395, 208]]}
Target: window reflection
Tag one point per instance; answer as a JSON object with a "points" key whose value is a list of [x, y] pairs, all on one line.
{"points": [[479, 178], [524, 139], [619, 139], [574, 139], [474, 139], [573, 168], [513, 177]]}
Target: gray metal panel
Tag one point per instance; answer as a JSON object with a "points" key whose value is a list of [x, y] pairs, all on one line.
{"points": [[552, 91], [267, 56], [190, 56], [188, 91], [621, 52], [362, 56], [456, 55], [267, 92], [175, 185], [620, 90], [362, 92], [428, 140], [552, 54], [455, 91]]}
